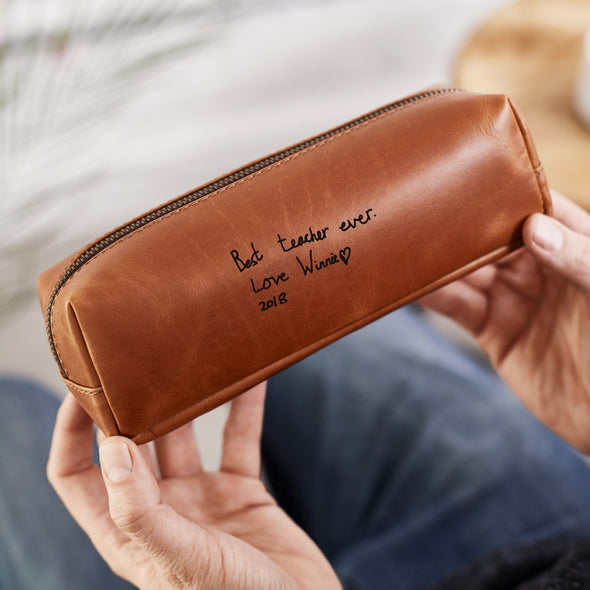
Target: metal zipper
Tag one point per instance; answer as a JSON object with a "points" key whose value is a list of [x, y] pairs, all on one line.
{"points": [[105, 242]]}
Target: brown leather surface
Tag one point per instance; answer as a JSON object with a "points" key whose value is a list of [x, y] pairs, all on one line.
{"points": [[195, 307]]}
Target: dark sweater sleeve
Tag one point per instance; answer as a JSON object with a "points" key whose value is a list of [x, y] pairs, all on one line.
{"points": [[548, 565]]}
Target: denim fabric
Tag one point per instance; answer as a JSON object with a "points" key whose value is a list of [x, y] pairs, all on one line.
{"points": [[40, 544], [405, 459], [401, 456]]}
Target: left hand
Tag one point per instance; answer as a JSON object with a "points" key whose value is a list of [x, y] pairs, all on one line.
{"points": [[175, 525], [530, 312]]}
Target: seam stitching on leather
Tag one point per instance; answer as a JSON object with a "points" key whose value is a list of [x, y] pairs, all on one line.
{"points": [[80, 390], [536, 167]]}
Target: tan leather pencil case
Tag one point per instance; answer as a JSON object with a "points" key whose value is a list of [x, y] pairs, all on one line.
{"points": [[192, 303]]}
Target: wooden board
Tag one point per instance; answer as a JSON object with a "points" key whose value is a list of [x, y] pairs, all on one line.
{"points": [[532, 51]]}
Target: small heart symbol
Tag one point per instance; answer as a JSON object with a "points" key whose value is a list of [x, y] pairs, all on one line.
{"points": [[345, 254]]}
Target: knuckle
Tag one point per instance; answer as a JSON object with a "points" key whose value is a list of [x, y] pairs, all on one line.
{"points": [[130, 517]]}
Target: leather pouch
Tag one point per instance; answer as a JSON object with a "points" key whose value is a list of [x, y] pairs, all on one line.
{"points": [[194, 302]]}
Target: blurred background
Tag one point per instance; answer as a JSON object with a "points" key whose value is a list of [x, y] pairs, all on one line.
{"points": [[110, 108]]}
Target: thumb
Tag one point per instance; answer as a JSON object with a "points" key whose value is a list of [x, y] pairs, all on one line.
{"points": [[559, 248], [136, 509]]}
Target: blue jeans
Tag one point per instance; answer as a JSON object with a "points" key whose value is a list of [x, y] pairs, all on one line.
{"points": [[405, 459], [40, 544], [401, 456]]}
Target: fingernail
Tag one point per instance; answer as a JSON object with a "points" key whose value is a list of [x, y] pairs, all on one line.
{"points": [[116, 460], [546, 234]]}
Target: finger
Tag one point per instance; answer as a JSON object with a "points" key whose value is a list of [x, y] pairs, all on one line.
{"points": [[136, 509], [71, 447], [559, 249], [570, 214], [483, 278], [509, 259], [78, 482], [145, 450], [241, 436], [70, 468], [460, 302], [178, 453], [148, 456]]}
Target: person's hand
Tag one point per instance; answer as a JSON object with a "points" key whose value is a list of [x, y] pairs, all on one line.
{"points": [[166, 523], [530, 312]]}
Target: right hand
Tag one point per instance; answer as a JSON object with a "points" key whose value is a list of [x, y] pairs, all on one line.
{"points": [[184, 528], [530, 312]]}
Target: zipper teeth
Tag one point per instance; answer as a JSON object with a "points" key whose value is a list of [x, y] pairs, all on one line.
{"points": [[204, 191]]}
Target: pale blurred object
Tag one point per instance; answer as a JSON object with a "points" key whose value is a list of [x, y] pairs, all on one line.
{"points": [[67, 69], [582, 94], [531, 50], [108, 109]]}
